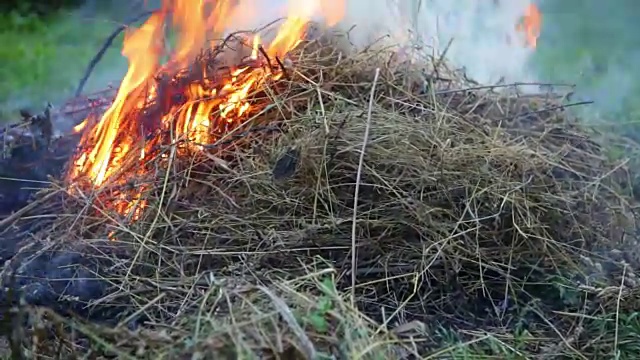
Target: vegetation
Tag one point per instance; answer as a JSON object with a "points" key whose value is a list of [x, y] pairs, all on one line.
{"points": [[37, 7], [44, 57], [576, 47]]}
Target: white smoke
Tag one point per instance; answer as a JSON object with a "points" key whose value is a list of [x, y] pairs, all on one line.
{"points": [[482, 34]]}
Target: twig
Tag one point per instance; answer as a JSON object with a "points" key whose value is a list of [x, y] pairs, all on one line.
{"points": [[266, 56], [354, 254], [283, 68], [438, 63], [107, 43], [498, 86], [615, 338], [547, 109]]}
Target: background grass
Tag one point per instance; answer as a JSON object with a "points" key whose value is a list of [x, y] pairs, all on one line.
{"points": [[594, 45], [44, 58], [585, 42]]}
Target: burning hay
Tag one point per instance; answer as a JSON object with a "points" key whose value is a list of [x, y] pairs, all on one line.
{"points": [[353, 205]]}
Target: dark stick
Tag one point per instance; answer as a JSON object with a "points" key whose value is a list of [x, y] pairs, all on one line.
{"points": [[96, 59], [551, 108]]}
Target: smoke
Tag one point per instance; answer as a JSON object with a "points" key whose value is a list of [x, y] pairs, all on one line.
{"points": [[609, 86], [481, 34], [477, 35], [598, 56]]}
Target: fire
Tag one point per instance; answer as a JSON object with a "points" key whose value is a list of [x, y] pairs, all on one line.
{"points": [[78, 128], [121, 135], [530, 25]]}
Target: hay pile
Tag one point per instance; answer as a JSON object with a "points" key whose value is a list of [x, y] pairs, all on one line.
{"points": [[479, 218]]}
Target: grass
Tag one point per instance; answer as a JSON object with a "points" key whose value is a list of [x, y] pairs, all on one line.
{"points": [[44, 59]]}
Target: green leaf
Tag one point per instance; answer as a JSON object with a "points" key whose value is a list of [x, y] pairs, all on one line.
{"points": [[328, 287], [324, 305], [319, 323]]}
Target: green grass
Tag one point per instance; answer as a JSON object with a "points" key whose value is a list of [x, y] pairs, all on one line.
{"points": [[593, 45], [44, 59]]}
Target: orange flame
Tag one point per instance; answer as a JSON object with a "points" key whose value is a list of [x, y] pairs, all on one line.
{"points": [[78, 128], [106, 144], [530, 25]]}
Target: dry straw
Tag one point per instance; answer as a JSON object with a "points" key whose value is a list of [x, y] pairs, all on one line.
{"points": [[394, 201]]}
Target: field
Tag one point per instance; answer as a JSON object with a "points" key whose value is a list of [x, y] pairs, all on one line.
{"points": [[596, 53], [43, 59]]}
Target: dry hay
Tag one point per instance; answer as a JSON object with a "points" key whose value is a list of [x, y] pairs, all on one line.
{"points": [[468, 203]]}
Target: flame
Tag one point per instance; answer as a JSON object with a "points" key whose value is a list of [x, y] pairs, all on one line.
{"points": [[141, 48], [78, 128], [530, 25], [107, 144]]}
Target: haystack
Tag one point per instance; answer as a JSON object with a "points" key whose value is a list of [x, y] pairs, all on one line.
{"points": [[376, 210]]}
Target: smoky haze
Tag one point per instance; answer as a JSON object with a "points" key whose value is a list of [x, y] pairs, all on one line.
{"points": [[593, 44], [482, 33], [588, 43], [577, 45]]}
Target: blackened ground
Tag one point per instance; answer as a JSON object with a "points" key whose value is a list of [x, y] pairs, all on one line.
{"points": [[65, 278], [27, 168]]}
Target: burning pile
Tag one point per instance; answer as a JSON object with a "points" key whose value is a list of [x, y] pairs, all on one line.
{"points": [[192, 104], [276, 196]]}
